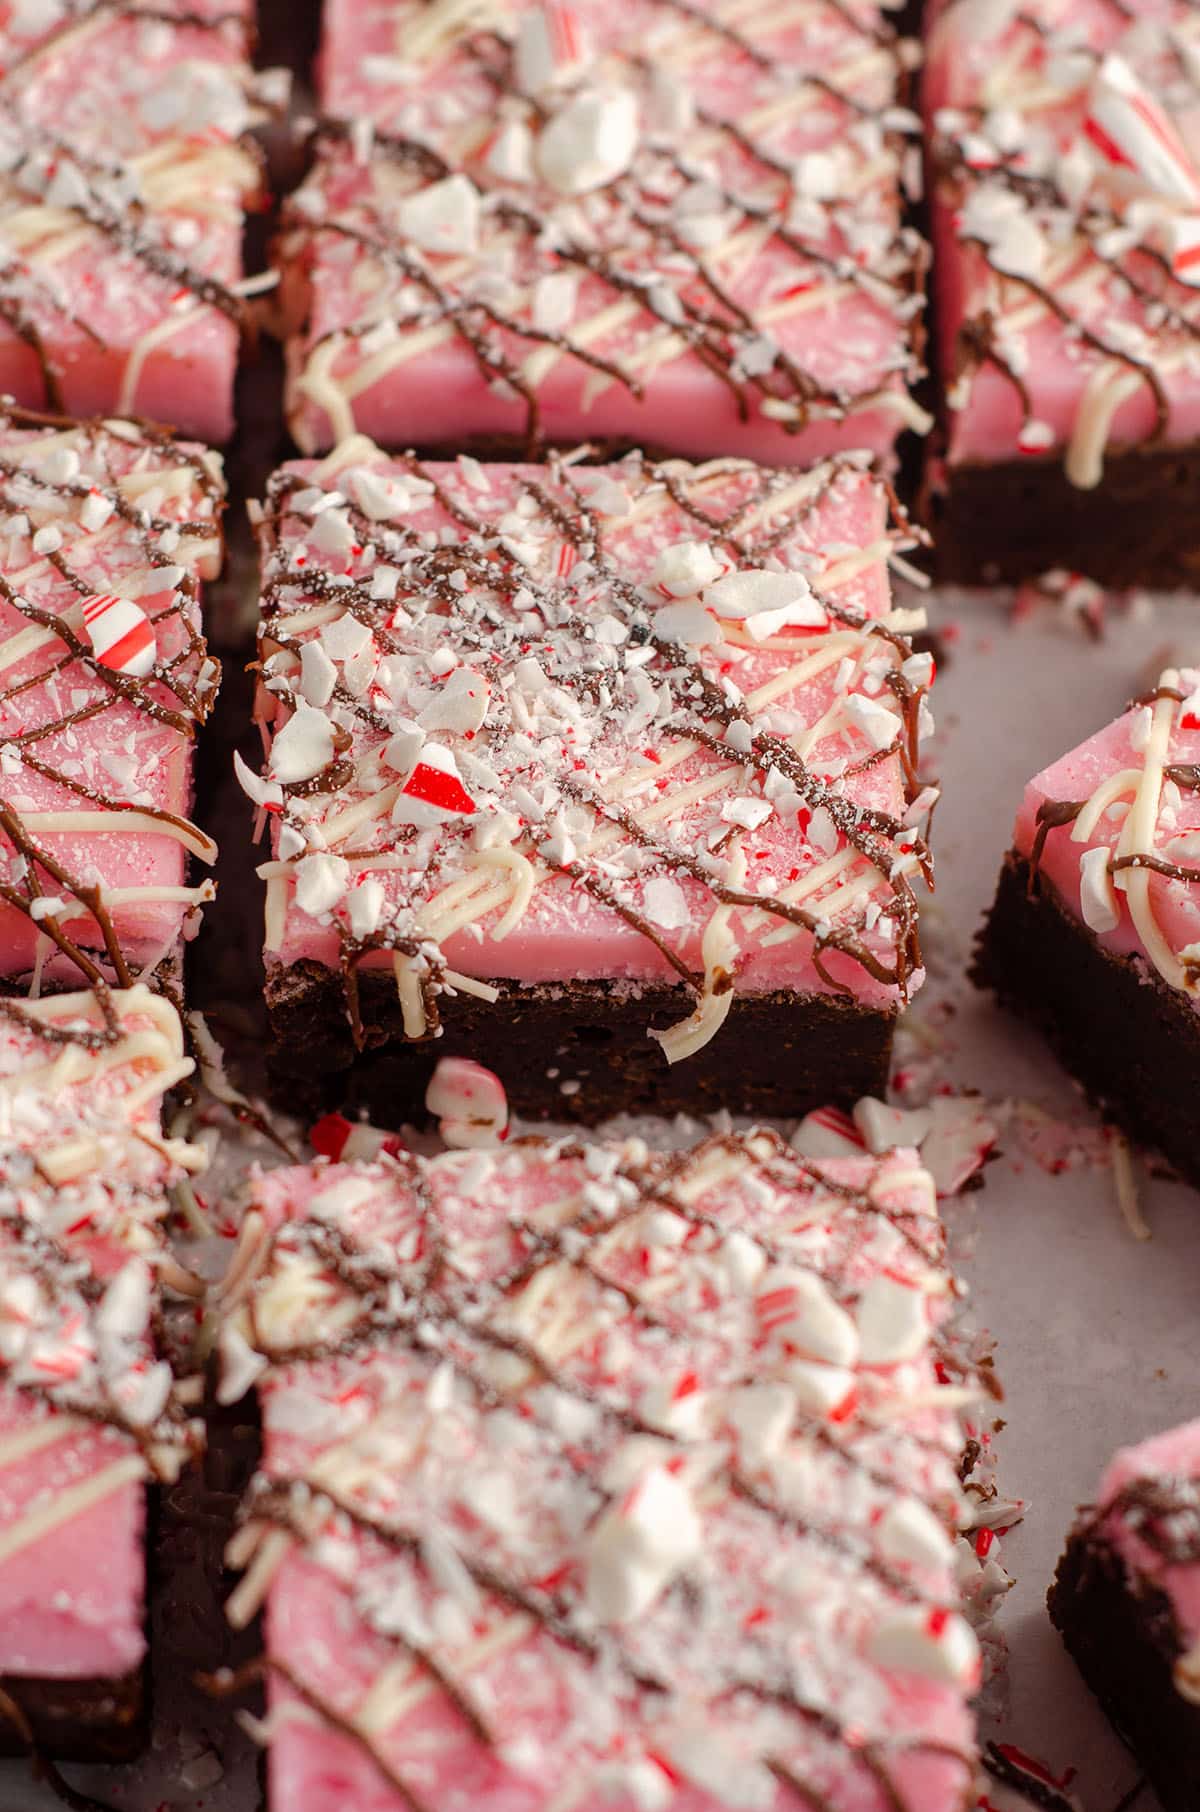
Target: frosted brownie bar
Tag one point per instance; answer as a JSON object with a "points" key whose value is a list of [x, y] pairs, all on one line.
{"points": [[106, 531], [604, 775], [600, 1477], [1095, 932], [1126, 1600], [126, 169], [88, 1411], [1066, 223], [650, 224]]}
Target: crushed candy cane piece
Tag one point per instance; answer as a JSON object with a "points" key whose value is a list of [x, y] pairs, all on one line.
{"points": [[1135, 136], [120, 633], [590, 141], [468, 1103], [433, 791]]}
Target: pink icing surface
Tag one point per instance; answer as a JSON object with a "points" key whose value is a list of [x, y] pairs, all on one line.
{"points": [[565, 931], [1175, 903], [62, 1614], [852, 337], [969, 43], [502, 1488], [1174, 1454], [92, 746]]}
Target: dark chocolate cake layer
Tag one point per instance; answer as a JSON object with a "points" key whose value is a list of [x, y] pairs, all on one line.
{"points": [[1133, 1042], [1000, 524], [78, 1720], [1125, 1643], [777, 1054]]}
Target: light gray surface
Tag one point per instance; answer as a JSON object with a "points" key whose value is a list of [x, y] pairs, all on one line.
{"points": [[1094, 1331]]}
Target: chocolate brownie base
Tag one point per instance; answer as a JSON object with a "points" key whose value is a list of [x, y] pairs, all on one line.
{"points": [[999, 524], [1133, 1042], [1124, 1642], [777, 1054], [94, 1720]]}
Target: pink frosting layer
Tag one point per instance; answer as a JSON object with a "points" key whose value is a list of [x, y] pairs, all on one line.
{"points": [[516, 1485], [96, 743], [849, 343], [969, 44], [682, 404], [171, 99], [1120, 748], [1174, 1454], [71, 1603], [566, 931]]}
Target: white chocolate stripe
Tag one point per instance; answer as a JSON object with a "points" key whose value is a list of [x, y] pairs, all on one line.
{"points": [[67, 1504], [19, 1443]]}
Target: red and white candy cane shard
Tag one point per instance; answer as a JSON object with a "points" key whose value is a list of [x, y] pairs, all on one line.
{"points": [[1134, 135], [335, 1137], [827, 1133], [1183, 240], [438, 785], [566, 33], [468, 1102], [550, 45], [121, 635]]}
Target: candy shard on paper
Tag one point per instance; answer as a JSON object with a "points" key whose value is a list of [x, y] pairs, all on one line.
{"points": [[468, 1102]]}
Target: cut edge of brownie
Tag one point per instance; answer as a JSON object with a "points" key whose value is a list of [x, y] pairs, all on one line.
{"points": [[997, 524], [78, 1720], [1128, 1038], [1123, 1638], [779, 1054]]}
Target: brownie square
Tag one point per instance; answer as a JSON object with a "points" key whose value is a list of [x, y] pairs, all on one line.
{"points": [[566, 1443], [127, 168], [1125, 1601], [1093, 934], [604, 775], [1065, 197], [643, 225]]}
